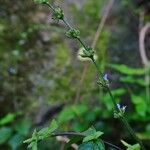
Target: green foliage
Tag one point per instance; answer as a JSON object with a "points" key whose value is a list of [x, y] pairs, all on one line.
{"points": [[5, 134], [7, 119], [128, 70], [16, 141], [23, 127], [92, 145], [71, 112], [41, 135], [131, 147], [91, 135], [140, 105]]}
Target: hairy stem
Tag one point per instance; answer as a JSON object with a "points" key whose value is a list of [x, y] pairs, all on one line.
{"points": [[123, 119]]}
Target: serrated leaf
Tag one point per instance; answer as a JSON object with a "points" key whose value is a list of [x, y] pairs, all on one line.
{"points": [[90, 131], [93, 136]]}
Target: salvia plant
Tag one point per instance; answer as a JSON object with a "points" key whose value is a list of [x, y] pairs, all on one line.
{"points": [[91, 139]]}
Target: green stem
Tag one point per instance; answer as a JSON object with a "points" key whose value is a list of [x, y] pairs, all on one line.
{"points": [[123, 119], [131, 131]]}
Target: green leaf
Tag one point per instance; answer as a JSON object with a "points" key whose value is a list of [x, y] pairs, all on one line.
{"points": [[131, 147], [87, 146], [16, 141], [53, 126], [140, 105], [5, 134], [92, 145], [93, 136], [33, 145], [125, 143], [100, 144], [133, 80], [127, 70], [71, 112], [90, 131], [7, 119], [23, 127]]}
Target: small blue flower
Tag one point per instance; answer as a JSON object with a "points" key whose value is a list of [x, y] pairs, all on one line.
{"points": [[121, 108], [105, 77], [118, 106], [124, 108]]}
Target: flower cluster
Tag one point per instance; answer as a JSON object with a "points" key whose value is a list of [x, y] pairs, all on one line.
{"points": [[88, 52], [121, 111], [73, 33], [58, 14]]}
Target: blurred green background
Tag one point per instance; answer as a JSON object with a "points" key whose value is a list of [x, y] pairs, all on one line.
{"points": [[40, 73]]}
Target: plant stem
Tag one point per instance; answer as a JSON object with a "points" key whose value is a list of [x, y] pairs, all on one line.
{"points": [[123, 119]]}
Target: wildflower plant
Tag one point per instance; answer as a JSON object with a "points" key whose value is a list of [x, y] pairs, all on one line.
{"points": [[91, 138]]}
